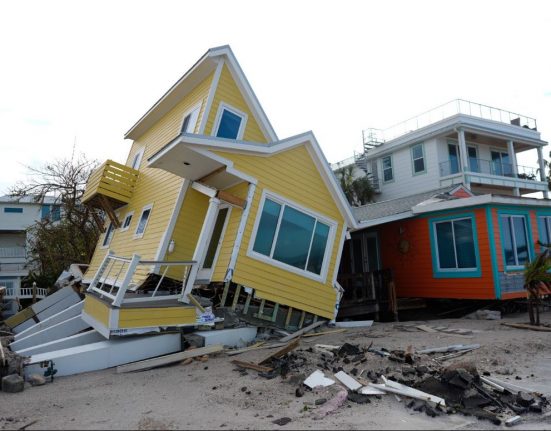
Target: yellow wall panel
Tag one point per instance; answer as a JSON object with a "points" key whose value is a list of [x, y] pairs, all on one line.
{"points": [[166, 316], [291, 174], [228, 92], [97, 309]]}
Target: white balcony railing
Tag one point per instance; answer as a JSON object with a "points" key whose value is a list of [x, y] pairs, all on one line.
{"points": [[10, 252], [457, 106], [24, 292], [490, 167]]}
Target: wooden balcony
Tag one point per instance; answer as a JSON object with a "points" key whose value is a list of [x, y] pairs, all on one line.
{"points": [[109, 187]]}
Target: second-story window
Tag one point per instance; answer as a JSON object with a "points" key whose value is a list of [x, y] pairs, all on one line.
{"points": [[108, 235], [388, 173], [190, 120], [230, 122], [418, 159]]}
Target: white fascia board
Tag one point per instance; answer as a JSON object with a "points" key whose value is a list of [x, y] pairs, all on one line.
{"points": [[452, 204], [382, 220], [246, 89], [489, 127]]}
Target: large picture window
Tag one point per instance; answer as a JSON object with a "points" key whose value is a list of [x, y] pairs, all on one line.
{"points": [[291, 236], [514, 240]]}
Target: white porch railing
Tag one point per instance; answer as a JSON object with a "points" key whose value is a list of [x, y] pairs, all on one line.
{"points": [[10, 252], [116, 276], [24, 292]]}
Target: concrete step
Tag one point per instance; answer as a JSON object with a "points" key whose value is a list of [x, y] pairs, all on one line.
{"points": [[104, 354], [63, 343]]}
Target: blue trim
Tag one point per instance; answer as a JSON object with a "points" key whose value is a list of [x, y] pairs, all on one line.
{"points": [[456, 211], [504, 211], [493, 252], [13, 210], [454, 273]]}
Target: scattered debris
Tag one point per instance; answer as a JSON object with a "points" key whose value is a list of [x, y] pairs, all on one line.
{"points": [[484, 315], [282, 421], [332, 405], [289, 347], [317, 334], [252, 366], [302, 331], [348, 381], [36, 380], [317, 378], [525, 326], [354, 324], [452, 348], [513, 421], [13, 383]]}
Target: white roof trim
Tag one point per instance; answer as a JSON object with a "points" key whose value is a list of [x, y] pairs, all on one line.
{"points": [[383, 220]]}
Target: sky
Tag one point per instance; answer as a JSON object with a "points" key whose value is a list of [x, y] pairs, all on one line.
{"points": [[79, 74]]}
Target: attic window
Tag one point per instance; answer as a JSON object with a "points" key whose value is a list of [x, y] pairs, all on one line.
{"points": [[190, 120], [230, 122]]}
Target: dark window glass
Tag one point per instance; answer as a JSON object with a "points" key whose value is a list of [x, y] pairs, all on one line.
{"points": [[464, 243], [444, 239], [317, 251], [229, 125], [13, 210], [267, 227], [215, 238]]}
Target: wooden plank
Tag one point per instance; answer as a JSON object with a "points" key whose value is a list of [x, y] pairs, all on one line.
{"points": [[252, 366], [236, 296], [525, 326], [302, 316], [426, 329], [225, 294], [169, 359], [255, 347], [231, 199], [288, 318], [289, 347], [274, 314], [316, 334], [303, 331], [453, 348], [4, 362], [195, 302], [247, 303]]}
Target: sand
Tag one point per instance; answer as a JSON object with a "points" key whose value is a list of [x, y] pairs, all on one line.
{"points": [[212, 395]]}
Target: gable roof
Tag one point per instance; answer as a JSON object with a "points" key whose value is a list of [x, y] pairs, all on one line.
{"points": [[203, 142], [199, 71]]}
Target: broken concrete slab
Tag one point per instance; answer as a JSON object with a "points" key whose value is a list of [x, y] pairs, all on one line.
{"points": [[13, 383], [235, 337]]}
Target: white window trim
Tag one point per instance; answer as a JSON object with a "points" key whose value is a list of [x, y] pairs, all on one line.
{"points": [[144, 209], [137, 156], [456, 269], [128, 214], [219, 246], [196, 107], [103, 245], [391, 168], [517, 265], [333, 225], [224, 106]]}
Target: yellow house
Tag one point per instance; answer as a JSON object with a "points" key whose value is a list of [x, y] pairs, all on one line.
{"points": [[210, 195]]}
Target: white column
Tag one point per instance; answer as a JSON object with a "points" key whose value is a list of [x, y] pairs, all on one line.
{"points": [[463, 156], [542, 171], [201, 247], [513, 158]]}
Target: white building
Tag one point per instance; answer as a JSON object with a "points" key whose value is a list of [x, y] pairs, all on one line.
{"points": [[16, 215]]}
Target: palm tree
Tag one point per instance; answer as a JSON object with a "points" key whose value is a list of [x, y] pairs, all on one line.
{"points": [[358, 191], [537, 273]]}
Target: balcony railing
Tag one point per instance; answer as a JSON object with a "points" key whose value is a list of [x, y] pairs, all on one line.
{"points": [[24, 292], [489, 167], [447, 110], [113, 181], [12, 252]]}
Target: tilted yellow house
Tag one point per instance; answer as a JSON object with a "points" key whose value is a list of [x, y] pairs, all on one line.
{"points": [[210, 194]]}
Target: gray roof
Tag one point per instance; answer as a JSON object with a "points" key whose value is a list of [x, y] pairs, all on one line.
{"points": [[391, 207]]}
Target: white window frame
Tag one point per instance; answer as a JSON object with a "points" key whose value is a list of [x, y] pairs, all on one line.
{"points": [[333, 225], [224, 106], [144, 209], [106, 245], [137, 159], [424, 171], [391, 168], [128, 214], [435, 233], [516, 265], [193, 118]]}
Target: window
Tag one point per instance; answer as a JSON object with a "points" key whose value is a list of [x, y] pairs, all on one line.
{"points": [[190, 120], [455, 245], [13, 210], [108, 235], [501, 164], [230, 122], [137, 159], [453, 152], [514, 240], [292, 237], [142, 223], [388, 174], [418, 158], [127, 221]]}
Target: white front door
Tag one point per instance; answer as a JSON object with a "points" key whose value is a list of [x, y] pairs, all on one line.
{"points": [[207, 267]]}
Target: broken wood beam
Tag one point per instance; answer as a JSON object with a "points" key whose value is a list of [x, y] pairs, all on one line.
{"points": [[334, 331], [231, 199], [452, 348], [288, 348], [302, 331], [525, 326], [257, 346], [251, 366], [195, 302], [169, 359]]}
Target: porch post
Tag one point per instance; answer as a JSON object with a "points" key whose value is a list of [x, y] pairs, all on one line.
{"points": [[201, 247], [513, 158], [463, 156], [542, 171]]}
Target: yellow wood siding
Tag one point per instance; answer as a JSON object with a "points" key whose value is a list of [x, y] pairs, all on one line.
{"points": [[291, 174], [165, 316], [154, 186], [228, 241], [97, 309], [228, 92], [187, 229]]}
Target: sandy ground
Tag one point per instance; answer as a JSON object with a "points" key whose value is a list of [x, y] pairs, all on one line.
{"points": [[212, 395]]}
